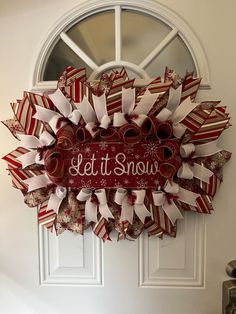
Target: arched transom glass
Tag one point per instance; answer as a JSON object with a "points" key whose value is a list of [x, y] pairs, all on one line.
{"points": [[115, 37]]}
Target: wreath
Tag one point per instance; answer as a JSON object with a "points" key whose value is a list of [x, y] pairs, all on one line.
{"points": [[106, 155]]}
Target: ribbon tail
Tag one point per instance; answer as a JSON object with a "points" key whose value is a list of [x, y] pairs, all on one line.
{"points": [[178, 130], [141, 211], [28, 158], [90, 211], [146, 103], [183, 110], [105, 211], [100, 108], [61, 102], [127, 211], [172, 212], [174, 98], [54, 203], [37, 182], [119, 119], [29, 141], [87, 111], [206, 149], [185, 171], [128, 100], [164, 115], [187, 196], [202, 173], [75, 116]]}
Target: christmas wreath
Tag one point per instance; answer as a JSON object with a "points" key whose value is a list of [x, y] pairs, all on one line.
{"points": [[106, 155]]}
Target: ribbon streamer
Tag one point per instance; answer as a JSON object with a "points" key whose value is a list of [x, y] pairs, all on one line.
{"points": [[137, 114], [190, 169], [37, 182], [89, 116], [56, 199], [128, 206], [176, 113], [32, 142], [52, 117], [163, 199], [92, 206], [100, 108]]}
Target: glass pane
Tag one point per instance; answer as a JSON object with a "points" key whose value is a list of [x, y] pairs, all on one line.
{"points": [[95, 35], [141, 33], [176, 56], [60, 57]]}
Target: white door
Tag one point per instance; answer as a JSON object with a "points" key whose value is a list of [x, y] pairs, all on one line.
{"points": [[44, 274]]}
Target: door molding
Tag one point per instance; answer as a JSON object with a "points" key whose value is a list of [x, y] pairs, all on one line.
{"points": [[88, 8]]}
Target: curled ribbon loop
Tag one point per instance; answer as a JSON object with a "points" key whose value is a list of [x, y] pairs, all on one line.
{"points": [[168, 154], [38, 145], [56, 198], [93, 202], [54, 166], [56, 120], [130, 134], [66, 137], [82, 135], [130, 203]]}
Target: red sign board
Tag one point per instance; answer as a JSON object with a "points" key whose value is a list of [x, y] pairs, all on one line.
{"points": [[113, 165]]}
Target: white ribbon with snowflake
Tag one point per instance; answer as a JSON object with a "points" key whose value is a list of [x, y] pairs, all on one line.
{"points": [[188, 171], [32, 142], [65, 111], [128, 208], [92, 207], [160, 198], [139, 112]]}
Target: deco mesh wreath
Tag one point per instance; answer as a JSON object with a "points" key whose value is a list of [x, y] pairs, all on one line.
{"points": [[107, 155]]}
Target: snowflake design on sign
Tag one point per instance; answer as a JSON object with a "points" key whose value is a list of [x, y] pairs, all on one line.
{"points": [[151, 149]]}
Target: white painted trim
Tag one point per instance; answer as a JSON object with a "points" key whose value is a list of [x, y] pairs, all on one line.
{"points": [[146, 6], [51, 274], [118, 42], [158, 49], [113, 64], [195, 280], [80, 53]]}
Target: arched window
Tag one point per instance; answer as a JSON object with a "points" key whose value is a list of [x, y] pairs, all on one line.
{"points": [[144, 37]]}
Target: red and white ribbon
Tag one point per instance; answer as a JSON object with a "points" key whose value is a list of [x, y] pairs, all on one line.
{"points": [[175, 112], [37, 182], [188, 171], [56, 199], [128, 206], [52, 117], [91, 206], [139, 112], [165, 200], [32, 142]]}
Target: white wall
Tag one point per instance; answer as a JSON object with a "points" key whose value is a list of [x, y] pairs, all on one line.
{"points": [[23, 25]]}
